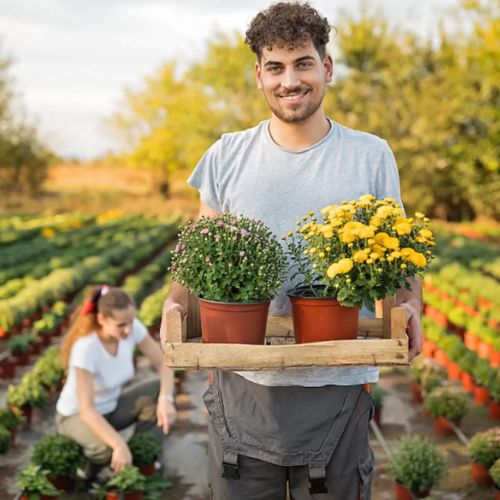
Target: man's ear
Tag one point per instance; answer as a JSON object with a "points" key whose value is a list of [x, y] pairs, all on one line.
{"points": [[258, 75], [328, 65]]}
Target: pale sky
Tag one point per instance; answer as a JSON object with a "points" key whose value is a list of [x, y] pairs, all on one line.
{"points": [[73, 58]]}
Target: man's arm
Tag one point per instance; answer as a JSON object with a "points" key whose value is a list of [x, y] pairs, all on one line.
{"points": [[177, 297], [412, 301]]}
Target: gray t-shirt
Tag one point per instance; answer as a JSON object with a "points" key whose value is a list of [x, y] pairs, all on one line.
{"points": [[247, 173]]}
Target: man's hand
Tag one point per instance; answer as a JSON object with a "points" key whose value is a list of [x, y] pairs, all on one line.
{"points": [[413, 330], [169, 306]]}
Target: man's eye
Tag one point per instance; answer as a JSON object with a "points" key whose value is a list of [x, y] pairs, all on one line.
{"points": [[275, 69], [304, 65]]}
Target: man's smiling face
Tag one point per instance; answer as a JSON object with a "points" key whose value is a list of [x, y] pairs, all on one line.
{"points": [[293, 80]]}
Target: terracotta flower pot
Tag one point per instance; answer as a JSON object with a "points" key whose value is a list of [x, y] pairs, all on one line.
{"points": [[454, 372], [147, 470], [428, 348], [401, 492], [223, 322], [494, 410], [321, 319], [441, 357], [8, 368], [484, 349], [481, 395], [442, 427], [416, 392], [467, 382], [131, 495], [480, 474], [64, 483]]}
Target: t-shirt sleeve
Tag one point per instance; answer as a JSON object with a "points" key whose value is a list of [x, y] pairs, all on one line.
{"points": [[387, 178], [205, 177], [139, 331], [83, 355]]}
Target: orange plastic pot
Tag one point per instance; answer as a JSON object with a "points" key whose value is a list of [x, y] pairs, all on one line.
{"points": [[494, 410], [442, 427], [454, 372], [441, 357], [233, 323], [480, 474], [484, 349], [317, 319], [471, 341], [428, 348], [401, 492], [132, 495], [481, 395], [495, 359], [467, 382]]}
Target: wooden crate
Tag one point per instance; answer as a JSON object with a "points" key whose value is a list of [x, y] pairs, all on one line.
{"points": [[381, 341]]}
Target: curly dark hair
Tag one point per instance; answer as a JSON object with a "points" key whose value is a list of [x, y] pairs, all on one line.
{"points": [[288, 23]]}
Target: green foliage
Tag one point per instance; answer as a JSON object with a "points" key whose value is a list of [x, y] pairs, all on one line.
{"points": [[4, 440], [32, 481], [60, 455], [130, 479], [484, 447], [48, 369], [20, 343], [29, 392], [229, 259], [447, 402], [145, 449], [495, 472], [10, 419], [417, 464]]}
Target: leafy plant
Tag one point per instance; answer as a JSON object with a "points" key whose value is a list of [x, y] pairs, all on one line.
{"points": [[483, 373], [130, 479], [10, 419], [417, 464], [363, 250], [433, 377], [48, 369], [229, 259], [447, 402], [495, 472], [20, 343], [32, 481], [145, 449], [484, 447], [29, 392], [60, 455], [4, 440]]}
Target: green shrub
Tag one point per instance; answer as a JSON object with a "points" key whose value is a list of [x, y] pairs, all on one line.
{"points": [[20, 343], [433, 377], [145, 449], [32, 481], [10, 419], [495, 472], [4, 440], [417, 464], [484, 447], [60, 455], [447, 402], [130, 479], [29, 392]]}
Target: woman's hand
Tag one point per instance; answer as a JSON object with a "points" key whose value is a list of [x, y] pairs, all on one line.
{"points": [[166, 413], [121, 457]]}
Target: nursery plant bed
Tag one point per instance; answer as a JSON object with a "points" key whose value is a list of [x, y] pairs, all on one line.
{"points": [[382, 341]]}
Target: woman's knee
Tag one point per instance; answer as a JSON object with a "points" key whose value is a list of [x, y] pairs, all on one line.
{"points": [[98, 452]]}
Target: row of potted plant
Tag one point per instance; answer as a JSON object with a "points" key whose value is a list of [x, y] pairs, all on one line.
{"points": [[64, 281], [151, 307]]}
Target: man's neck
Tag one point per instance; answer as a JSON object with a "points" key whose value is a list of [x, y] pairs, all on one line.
{"points": [[301, 135]]}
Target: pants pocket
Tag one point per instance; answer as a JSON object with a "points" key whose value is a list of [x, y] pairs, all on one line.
{"points": [[365, 471]]}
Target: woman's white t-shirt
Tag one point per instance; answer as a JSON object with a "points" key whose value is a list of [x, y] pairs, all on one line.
{"points": [[109, 372]]}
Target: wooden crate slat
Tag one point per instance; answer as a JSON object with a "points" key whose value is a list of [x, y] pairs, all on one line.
{"points": [[282, 357]]}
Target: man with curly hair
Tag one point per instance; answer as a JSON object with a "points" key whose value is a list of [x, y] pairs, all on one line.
{"points": [[296, 433]]}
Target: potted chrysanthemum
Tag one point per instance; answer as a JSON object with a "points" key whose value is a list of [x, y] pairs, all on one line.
{"points": [[361, 251], [234, 265]]}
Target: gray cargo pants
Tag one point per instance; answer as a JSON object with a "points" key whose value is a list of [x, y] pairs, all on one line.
{"points": [[307, 432], [136, 404]]}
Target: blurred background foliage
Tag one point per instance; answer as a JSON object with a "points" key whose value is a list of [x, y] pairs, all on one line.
{"points": [[436, 102]]}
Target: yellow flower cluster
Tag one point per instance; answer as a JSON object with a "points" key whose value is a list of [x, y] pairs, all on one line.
{"points": [[364, 241]]}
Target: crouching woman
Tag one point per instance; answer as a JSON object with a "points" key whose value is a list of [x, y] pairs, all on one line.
{"points": [[98, 354]]}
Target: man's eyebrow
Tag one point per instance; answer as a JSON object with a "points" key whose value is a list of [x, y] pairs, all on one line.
{"points": [[279, 63]]}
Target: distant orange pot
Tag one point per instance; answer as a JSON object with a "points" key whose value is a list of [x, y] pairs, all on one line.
{"points": [[481, 395], [467, 382], [317, 319], [494, 410], [233, 323], [454, 372], [442, 427], [480, 474]]}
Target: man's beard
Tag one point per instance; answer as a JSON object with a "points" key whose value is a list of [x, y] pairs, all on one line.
{"points": [[295, 115]]}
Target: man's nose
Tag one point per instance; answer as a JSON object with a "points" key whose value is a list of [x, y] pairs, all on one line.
{"points": [[290, 79]]}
